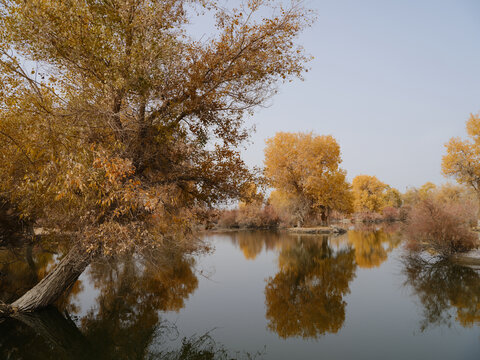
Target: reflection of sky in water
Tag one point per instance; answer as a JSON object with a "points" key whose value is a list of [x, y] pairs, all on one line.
{"points": [[290, 296], [86, 300], [382, 316]]}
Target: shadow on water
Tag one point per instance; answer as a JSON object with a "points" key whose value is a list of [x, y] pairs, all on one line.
{"points": [[49, 334], [42, 335], [20, 269], [125, 321], [447, 291]]}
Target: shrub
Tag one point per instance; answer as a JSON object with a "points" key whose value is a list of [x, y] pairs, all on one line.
{"points": [[391, 213], [228, 219], [443, 228], [367, 217], [338, 216], [250, 216], [404, 211]]}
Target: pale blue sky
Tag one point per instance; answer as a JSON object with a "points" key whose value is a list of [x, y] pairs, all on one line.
{"points": [[392, 81]]}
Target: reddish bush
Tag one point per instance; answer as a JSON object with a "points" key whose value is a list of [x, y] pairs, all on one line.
{"points": [[249, 216], [367, 217], [269, 217], [443, 228], [390, 213], [228, 219]]}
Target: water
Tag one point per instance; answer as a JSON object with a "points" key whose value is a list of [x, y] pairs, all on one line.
{"points": [[261, 295]]}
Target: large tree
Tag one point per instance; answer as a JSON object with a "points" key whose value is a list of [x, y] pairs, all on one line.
{"points": [[117, 125], [305, 170]]}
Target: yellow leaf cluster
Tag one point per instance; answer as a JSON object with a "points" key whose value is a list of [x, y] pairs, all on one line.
{"points": [[118, 127], [462, 160], [304, 170], [372, 195]]}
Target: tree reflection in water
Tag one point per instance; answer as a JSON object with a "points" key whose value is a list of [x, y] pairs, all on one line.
{"points": [[125, 322], [373, 246], [444, 288], [305, 298], [253, 242], [48, 334], [132, 292]]}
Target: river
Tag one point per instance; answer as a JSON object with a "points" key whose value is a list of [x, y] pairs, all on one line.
{"points": [[258, 294]]}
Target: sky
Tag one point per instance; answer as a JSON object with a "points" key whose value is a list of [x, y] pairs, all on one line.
{"points": [[391, 80]]}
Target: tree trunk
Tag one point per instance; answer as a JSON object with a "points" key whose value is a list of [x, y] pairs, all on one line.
{"points": [[52, 286], [324, 218]]}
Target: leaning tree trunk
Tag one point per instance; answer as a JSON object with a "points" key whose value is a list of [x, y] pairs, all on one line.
{"points": [[52, 286]]}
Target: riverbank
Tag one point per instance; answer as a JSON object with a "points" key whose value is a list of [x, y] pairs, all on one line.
{"points": [[318, 230]]}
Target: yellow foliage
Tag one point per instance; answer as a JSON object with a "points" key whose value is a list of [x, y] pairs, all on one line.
{"points": [[304, 170], [446, 193], [131, 127], [426, 190], [393, 198], [369, 194], [462, 160], [451, 193], [250, 195]]}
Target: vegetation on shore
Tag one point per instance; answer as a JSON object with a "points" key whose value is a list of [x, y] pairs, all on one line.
{"points": [[310, 191], [120, 129]]}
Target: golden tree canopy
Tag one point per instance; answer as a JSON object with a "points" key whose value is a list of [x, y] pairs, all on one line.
{"points": [[462, 160], [117, 126], [369, 193], [305, 168], [393, 197]]}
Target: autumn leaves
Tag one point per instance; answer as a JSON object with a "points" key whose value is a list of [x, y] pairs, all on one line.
{"points": [[133, 127], [462, 160], [304, 169]]}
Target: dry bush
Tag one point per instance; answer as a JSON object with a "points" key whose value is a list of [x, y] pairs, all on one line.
{"points": [[251, 216], [338, 216], [269, 217], [391, 214], [441, 227], [254, 216], [367, 217], [287, 220], [228, 219], [404, 211]]}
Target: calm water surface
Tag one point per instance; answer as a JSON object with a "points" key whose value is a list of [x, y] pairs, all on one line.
{"points": [[262, 295]]}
